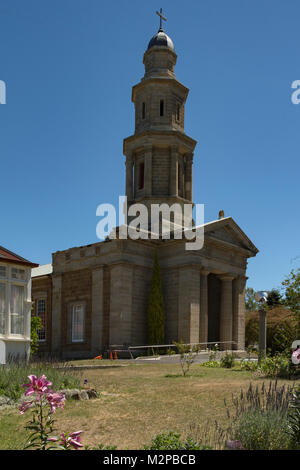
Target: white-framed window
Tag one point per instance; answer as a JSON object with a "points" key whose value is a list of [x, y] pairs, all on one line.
{"points": [[17, 320], [2, 307], [40, 306], [17, 273], [14, 308], [78, 322], [3, 272]]}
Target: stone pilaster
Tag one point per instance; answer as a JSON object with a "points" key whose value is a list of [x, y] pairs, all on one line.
{"points": [[148, 169], [189, 177], [203, 333], [226, 311], [121, 290], [174, 171], [129, 177], [238, 327], [189, 304], [97, 310], [56, 314]]}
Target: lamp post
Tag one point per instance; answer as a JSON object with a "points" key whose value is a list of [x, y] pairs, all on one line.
{"points": [[262, 297]]}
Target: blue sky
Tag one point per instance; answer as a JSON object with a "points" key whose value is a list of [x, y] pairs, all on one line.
{"points": [[69, 66]]}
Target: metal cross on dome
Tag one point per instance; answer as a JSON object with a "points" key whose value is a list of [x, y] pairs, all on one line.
{"points": [[161, 17]]}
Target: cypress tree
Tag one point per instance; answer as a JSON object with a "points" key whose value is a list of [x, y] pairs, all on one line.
{"points": [[156, 314]]}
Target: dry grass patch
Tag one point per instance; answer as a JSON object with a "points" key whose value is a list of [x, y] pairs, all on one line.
{"points": [[140, 401]]}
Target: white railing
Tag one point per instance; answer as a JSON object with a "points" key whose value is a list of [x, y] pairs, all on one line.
{"points": [[162, 346]]}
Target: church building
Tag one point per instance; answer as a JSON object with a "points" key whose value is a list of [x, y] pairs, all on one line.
{"points": [[95, 296]]}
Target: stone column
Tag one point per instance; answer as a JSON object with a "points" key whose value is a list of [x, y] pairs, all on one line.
{"points": [[189, 177], [121, 287], [56, 314], [238, 327], [97, 310], [148, 169], [203, 333], [226, 311], [174, 171], [129, 177], [189, 304]]}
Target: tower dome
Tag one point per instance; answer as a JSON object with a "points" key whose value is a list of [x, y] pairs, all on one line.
{"points": [[161, 39]]}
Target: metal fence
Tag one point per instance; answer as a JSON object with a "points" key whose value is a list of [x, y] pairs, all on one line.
{"points": [[206, 346]]}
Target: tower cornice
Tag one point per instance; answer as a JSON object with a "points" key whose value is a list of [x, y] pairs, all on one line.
{"points": [[159, 137], [159, 80]]}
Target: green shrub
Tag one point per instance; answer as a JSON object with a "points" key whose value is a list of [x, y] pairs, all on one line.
{"points": [[172, 441], [227, 361], [278, 366], [259, 419], [212, 364], [293, 428], [258, 430], [213, 353], [245, 364], [187, 355], [13, 375]]}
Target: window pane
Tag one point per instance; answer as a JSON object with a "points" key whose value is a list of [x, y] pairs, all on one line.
{"points": [[3, 272], [17, 273], [2, 308], [17, 310], [41, 312], [77, 323], [161, 107], [141, 175]]}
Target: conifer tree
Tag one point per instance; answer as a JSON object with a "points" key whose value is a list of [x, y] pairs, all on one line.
{"points": [[155, 314]]}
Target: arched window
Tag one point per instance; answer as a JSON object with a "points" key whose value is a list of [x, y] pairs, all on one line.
{"points": [[161, 107], [143, 110]]}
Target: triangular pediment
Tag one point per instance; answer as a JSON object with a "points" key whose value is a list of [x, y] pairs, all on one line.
{"points": [[227, 230]]}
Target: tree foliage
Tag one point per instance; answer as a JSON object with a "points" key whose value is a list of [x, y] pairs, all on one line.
{"points": [[274, 298], [281, 329], [292, 291], [156, 314], [251, 304], [36, 324]]}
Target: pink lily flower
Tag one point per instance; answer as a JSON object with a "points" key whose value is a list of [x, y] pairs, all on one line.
{"points": [[71, 440], [37, 385], [25, 406], [56, 400]]}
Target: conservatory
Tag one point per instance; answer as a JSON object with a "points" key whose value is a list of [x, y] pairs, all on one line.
{"points": [[15, 305]]}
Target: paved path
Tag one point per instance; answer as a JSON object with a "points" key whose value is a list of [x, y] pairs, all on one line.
{"points": [[173, 359]]}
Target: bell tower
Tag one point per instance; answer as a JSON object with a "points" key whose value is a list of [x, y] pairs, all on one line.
{"points": [[159, 155]]}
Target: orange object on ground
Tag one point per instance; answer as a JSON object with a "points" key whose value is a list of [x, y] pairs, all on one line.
{"points": [[98, 357], [110, 356], [115, 355]]}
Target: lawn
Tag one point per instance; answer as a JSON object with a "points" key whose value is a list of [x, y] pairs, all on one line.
{"points": [[137, 402]]}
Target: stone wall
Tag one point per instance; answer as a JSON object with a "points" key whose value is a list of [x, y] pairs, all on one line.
{"points": [[76, 286], [170, 280], [141, 289]]}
